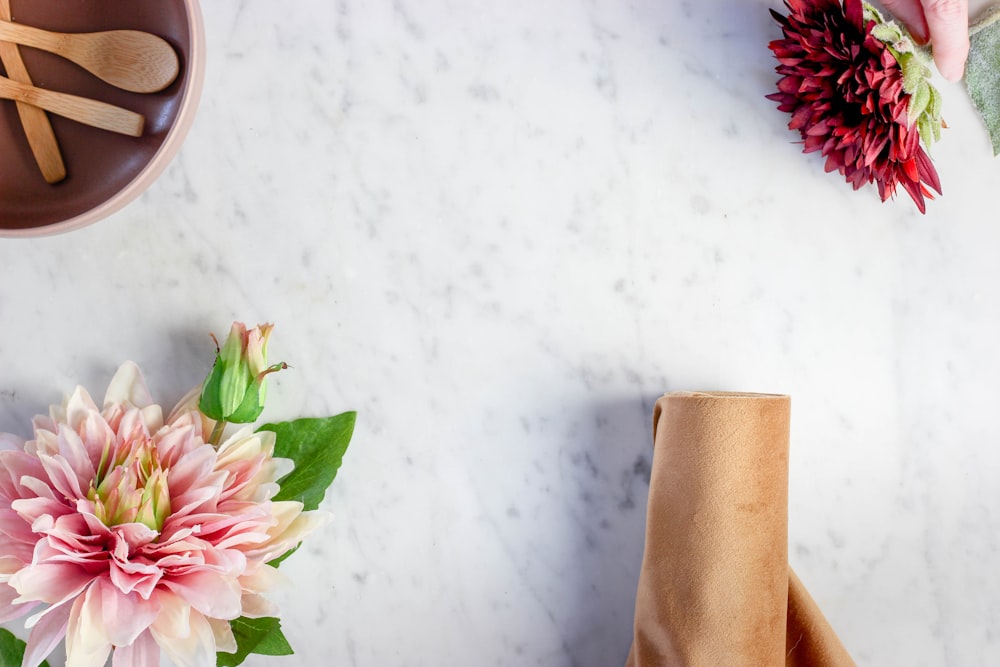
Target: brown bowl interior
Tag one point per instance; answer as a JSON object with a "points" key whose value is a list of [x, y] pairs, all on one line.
{"points": [[99, 164]]}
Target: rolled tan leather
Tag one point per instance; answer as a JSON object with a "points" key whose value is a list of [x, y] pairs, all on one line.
{"points": [[714, 588]]}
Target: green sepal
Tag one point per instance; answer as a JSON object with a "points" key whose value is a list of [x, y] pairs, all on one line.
{"points": [[254, 635], [250, 408], [210, 403], [12, 650], [317, 447]]}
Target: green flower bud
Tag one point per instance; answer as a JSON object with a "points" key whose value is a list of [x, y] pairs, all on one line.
{"points": [[234, 390]]}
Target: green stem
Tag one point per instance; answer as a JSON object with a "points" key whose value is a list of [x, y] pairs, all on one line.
{"points": [[220, 426]]}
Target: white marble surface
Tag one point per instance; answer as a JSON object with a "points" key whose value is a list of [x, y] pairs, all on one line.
{"points": [[499, 230]]}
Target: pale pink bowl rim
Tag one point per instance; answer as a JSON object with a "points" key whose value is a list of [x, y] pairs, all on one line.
{"points": [[166, 152]]}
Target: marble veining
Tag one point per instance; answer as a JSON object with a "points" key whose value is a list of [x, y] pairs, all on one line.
{"points": [[499, 231]]}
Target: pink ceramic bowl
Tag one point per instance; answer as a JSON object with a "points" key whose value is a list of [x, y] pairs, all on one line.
{"points": [[105, 171]]}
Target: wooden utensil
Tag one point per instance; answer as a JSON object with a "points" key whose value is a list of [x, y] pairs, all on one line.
{"points": [[83, 110], [37, 128], [132, 60]]}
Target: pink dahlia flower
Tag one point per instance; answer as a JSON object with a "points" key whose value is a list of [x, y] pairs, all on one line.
{"points": [[126, 532]]}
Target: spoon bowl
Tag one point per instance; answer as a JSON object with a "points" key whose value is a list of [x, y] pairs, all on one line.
{"points": [[132, 60]]}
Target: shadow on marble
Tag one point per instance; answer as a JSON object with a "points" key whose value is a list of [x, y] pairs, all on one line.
{"points": [[612, 467], [173, 363], [721, 59]]}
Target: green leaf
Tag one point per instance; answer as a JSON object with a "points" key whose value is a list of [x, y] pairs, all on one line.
{"points": [[317, 446], [925, 129], [253, 635], [913, 72], [982, 73], [12, 650], [920, 99], [281, 559], [887, 33]]}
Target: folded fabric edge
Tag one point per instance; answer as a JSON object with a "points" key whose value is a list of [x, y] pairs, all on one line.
{"points": [[810, 640]]}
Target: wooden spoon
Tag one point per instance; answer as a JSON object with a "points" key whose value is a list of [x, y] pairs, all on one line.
{"points": [[36, 125], [136, 61], [90, 112]]}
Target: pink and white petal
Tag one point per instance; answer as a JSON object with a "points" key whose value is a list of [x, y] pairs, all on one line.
{"points": [[9, 610], [87, 642], [62, 476], [37, 485], [46, 634], [207, 592], [11, 442], [134, 427], [15, 527], [125, 616], [174, 617], [49, 582], [141, 583], [66, 543], [78, 406], [188, 404], [46, 440], [242, 445], [94, 435], [199, 499], [276, 468], [11, 564], [223, 632], [228, 531], [135, 534], [152, 416], [13, 466], [264, 579], [193, 470], [143, 652], [174, 441], [285, 534], [195, 649], [47, 422], [128, 387], [258, 606]]}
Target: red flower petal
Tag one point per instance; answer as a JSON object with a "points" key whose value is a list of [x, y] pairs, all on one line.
{"points": [[844, 91]]}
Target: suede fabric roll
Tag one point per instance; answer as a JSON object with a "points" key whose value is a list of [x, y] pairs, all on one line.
{"points": [[714, 588], [810, 640]]}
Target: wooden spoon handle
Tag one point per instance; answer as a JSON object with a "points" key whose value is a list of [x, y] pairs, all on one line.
{"points": [[81, 109], [37, 128]]}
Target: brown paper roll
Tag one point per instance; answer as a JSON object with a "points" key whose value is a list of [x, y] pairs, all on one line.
{"points": [[714, 585]]}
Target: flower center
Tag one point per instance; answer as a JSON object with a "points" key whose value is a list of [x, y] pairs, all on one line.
{"points": [[131, 487]]}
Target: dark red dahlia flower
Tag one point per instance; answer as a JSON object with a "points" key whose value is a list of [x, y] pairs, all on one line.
{"points": [[844, 90]]}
